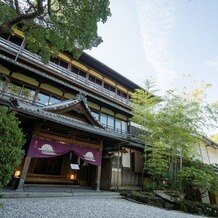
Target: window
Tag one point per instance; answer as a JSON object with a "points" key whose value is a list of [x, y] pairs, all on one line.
{"points": [[74, 70], [98, 82], [14, 88], [117, 125], [107, 121], [78, 71], [95, 114], [21, 90], [63, 64], [5, 36], [27, 92], [54, 60], [103, 119], [82, 73], [47, 99], [92, 79], [106, 86], [15, 40], [120, 126], [59, 62], [95, 80], [112, 89], [122, 94], [124, 126], [109, 87], [110, 122], [53, 100], [43, 98]]}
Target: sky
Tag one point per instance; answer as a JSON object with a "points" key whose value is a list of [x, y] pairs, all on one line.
{"points": [[175, 42]]}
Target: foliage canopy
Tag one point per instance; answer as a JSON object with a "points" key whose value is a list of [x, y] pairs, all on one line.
{"points": [[11, 142], [51, 26], [173, 126]]}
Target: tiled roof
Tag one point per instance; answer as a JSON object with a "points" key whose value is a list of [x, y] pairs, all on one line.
{"points": [[24, 107], [38, 111], [78, 104]]}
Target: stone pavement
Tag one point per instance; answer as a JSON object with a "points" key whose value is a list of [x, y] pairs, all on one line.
{"points": [[89, 206]]}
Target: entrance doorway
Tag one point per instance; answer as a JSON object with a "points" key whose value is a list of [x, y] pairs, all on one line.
{"points": [[57, 170]]}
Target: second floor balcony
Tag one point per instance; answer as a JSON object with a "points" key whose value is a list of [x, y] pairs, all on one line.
{"points": [[19, 51]]}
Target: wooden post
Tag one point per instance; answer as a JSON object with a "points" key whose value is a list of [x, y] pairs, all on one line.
{"points": [[98, 178], [24, 173]]}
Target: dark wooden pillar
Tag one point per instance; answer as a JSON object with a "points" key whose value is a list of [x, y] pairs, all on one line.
{"points": [[98, 178], [24, 173]]}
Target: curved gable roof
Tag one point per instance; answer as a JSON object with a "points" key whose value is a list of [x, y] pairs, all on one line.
{"points": [[78, 104]]}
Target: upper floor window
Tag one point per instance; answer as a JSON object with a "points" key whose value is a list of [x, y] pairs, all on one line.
{"points": [[5, 36], [95, 115], [117, 125], [124, 126], [21, 90], [92, 79], [82, 73], [15, 40], [109, 87], [120, 126], [95, 80], [59, 62], [54, 60], [98, 82], [74, 69], [53, 100], [78, 71], [47, 99], [63, 64], [103, 119], [111, 122], [122, 94]]}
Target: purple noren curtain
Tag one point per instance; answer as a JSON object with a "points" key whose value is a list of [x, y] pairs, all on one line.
{"points": [[44, 148]]}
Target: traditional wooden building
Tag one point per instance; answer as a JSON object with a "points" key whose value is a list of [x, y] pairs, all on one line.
{"points": [[76, 117]]}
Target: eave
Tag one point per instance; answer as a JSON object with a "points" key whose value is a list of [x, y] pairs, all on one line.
{"points": [[63, 83], [78, 104]]}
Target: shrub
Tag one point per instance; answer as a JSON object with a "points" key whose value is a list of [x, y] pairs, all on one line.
{"points": [[11, 142]]}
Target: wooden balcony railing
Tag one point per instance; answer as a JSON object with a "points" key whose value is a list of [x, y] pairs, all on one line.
{"points": [[34, 58]]}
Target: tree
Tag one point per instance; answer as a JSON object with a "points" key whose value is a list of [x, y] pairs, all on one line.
{"points": [[11, 142], [51, 26], [174, 125], [198, 177]]}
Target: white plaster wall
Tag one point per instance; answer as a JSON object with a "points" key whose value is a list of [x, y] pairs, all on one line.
{"points": [[203, 153], [207, 154], [126, 161], [213, 155]]}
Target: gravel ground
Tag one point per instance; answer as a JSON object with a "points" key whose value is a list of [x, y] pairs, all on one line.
{"points": [[81, 207]]}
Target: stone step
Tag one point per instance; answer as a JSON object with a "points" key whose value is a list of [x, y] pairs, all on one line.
{"points": [[76, 194]]}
